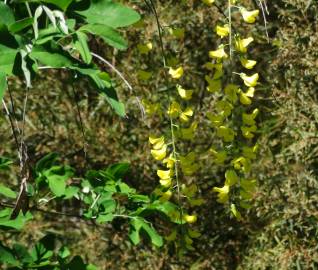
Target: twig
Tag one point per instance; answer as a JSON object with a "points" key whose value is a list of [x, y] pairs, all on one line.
{"points": [[113, 68]]}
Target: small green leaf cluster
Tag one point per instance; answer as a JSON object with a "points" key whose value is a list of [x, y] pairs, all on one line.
{"points": [[45, 254], [36, 35]]}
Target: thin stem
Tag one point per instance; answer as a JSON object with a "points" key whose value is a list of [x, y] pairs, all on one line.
{"points": [[230, 26]]}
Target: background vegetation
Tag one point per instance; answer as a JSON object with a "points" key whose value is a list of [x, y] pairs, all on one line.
{"points": [[280, 230]]}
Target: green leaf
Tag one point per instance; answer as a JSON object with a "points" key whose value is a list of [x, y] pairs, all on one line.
{"points": [[20, 25], [108, 34], [3, 84], [7, 192], [7, 256], [17, 223], [63, 4], [6, 14], [137, 225], [101, 81], [51, 58], [56, 177], [118, 170], [105, 218], [8, 50], [46, 162], [82, 47], [109, 13], [77, 263]]}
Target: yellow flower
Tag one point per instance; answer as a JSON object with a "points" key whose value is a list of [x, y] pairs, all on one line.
{"points": [[184, 116], [176, 73], [188, 133], [144, 48], [231, 91], [166, 183], [222, 31], [208, 2], [231, 178], [219, 53], [190, 219], [184, 94], [249, 119], [174, 109], [248, 64], [250, 81], [169, 161], [160, 153], [249, 16], [248, 131], [241, 44], [164, 174], [226, 133], [216, 119], [214, 85], [144, 75], [245, 97], [242, 163], [223, 193], [219, 157], [177, 32], [157, 142], [235, 212]]}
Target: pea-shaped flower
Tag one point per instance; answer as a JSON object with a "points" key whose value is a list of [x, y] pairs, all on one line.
{"points": [[248, 64], [176, 73], [249, 16], [242, 44], [223, 193], [184, 94], [222, 31], [219, 53], [226, 133], [250, 81]]}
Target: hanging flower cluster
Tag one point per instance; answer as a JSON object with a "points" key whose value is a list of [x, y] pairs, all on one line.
{"points": [[234, 117]]}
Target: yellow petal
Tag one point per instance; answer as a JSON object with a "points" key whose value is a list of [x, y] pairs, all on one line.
{"points": [[164, 174], [249, 16], [184, 116], [176, 73], [223, 193], [250, 81], [184, 94], [160, 153], [174, 109], [190, 218], [165, 182], [241, 44], [219, 53], [248, 64], [222, 31], [248, 131], [169, 161]]}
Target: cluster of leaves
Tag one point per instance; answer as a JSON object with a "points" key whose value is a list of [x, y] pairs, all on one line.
{"points": [[101, 193], [44, 255], [54, 34]]}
